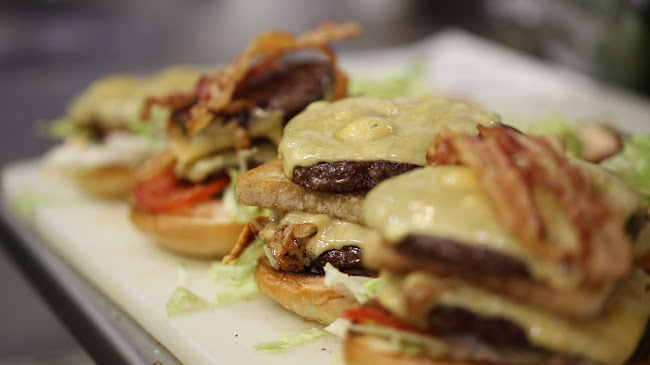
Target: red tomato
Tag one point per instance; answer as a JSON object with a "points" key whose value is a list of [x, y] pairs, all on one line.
{"points": [[375, 313], [163, 192]]}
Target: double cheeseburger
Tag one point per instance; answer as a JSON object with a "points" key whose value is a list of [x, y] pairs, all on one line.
{"points": [[332, 154], [104, 138], [503, 251], [231, 119]]}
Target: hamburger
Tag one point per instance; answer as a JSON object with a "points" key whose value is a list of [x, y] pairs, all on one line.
{"points": [[331, 155], [232, 119], [503, 251], [104, 138]]}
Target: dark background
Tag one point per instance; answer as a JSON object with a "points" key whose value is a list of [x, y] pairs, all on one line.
{"points": [[51, 50]]}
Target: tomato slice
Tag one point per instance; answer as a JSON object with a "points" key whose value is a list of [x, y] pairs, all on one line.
{"points": [[374, 312], [163, 192]]}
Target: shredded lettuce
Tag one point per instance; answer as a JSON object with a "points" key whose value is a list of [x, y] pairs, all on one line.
{"points": [[184, 301], [27, 202], [633, 164], [238, 275], [565, 129], [339, 327], [62, 128], [59, 128], [237, 212], [407, 82], [154, 127], [290, 340], [181, 273], [361, 287]]}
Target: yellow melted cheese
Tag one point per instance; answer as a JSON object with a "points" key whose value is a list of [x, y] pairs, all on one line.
{"points": [[448, 201], [332, 233], [372, 129], [116, 100], [610, 338], [218, 136], [198, 170]]}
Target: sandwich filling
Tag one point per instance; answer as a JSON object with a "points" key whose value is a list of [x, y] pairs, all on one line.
{"points": [[304, 243], [464, 283], [243, 107], [103, 127], [355, 143], [449, 307], [447, 204]]}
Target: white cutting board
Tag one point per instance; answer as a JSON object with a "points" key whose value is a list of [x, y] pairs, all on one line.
{"points": [[97, 239]]}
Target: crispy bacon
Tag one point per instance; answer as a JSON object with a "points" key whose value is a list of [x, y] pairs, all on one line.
{"points": [[512, 166], [246, 237], [286, 245], [214, 92]]}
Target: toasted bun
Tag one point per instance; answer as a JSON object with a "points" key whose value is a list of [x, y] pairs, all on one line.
{"points": [[267, 186], [361, 349], [108, 182], [304, 294], [196, 235]]}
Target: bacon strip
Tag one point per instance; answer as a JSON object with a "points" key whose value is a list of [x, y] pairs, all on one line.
{"points": [[511, 167], [246, 237], [214, 92]]}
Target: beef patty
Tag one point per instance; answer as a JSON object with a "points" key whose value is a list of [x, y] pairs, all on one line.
{"points": [[464, 257], [347, 176], [347, 259], [286, 86]]}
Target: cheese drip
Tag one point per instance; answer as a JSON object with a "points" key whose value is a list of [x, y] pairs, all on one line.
{"points": [[448, 202], [372, 129], [332, 233], [609, 338]]}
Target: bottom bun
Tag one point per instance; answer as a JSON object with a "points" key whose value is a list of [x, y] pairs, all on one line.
{"points": [[304, 294], [109, 182], [361, 349], [190, 235]]}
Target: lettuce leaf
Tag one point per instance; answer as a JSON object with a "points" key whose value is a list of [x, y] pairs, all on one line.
{"points": [[362, 288], [567, 130], [184, 301], [181, 273], [633, 164], [290, 340], [238, 275], [27, 202], [407, 82], [60, 128], [238, 212], [339, 327], [154, 127]]}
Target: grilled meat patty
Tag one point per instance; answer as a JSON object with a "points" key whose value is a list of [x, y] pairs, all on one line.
{"points": [[348, 176]]}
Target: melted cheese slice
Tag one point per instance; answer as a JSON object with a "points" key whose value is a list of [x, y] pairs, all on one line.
{"points": [[218, 137], [116, 100], [372, 129], [609, 338], [448, 201], [332, 234]]}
